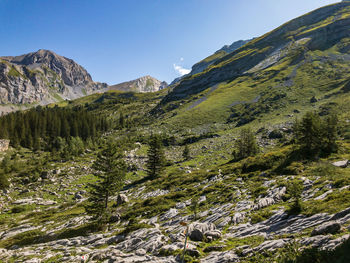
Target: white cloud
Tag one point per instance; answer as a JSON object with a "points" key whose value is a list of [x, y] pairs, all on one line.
{"points": [[182, 59], [180, 70]]}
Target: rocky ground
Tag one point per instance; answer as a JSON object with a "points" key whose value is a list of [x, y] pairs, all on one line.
{"points": [[220, 231]]}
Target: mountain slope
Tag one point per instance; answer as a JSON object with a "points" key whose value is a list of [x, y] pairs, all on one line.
{"points": [[205, 63], [318, 30], [143, 84], [272, 76]]}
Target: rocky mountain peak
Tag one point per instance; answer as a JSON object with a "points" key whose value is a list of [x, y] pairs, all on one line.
{"points": [[71, 73], [43, 77], [143, 84]]}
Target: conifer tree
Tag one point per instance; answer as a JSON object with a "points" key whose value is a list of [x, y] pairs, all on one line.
{"points": [[111, 171], [315, 136], [156, 157], [246, 145], [186, 153]]}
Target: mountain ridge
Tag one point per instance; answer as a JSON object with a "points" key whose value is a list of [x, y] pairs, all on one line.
{"points": [[240, 61]]}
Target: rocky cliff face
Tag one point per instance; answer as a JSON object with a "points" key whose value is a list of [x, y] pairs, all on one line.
{"points": [[43, 77], [143, 84], [319, 30]]}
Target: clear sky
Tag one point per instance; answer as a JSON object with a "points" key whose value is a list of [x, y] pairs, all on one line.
{"points": [[120, 40]]}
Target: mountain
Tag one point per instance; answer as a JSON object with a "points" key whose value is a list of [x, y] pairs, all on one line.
{"points": [[205, 63], [142, 85], [325, 30], [43, 77], [257, 161], [227, 49]]}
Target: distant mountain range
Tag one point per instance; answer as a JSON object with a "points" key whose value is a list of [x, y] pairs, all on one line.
{"points": [[44, 77]]}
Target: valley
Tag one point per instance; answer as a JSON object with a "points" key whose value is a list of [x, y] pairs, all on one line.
{"points": [[246, 158]]}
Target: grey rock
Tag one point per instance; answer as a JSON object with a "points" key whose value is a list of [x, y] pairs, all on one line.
{"points": [[316, 241], [122, 199], [341, 164], [341, 214], [333, 243], [324, 195], [326, 228], [221, 257], [271, 245], [212, 235], [197, 230]]}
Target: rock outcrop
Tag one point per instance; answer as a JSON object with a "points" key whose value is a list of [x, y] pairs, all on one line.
{"points": [[43, 77]]}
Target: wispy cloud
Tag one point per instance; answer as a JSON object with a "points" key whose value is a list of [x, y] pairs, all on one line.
{"points": [[181, 70]]}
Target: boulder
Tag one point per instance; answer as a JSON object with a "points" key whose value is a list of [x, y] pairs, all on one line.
{"points": [[197, 230], [122, 199], [326, 228], [341, 164], [212, 235]]}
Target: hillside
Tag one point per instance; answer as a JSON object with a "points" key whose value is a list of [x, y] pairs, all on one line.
{"points": [[285, 200], [205, 63]]}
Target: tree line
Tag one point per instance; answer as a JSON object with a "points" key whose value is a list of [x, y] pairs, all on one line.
{"points": [[40, 128]]}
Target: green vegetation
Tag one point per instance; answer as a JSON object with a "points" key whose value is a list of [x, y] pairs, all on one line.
{"points": [[44, 128], [156, 158], [246, 145], [111, 170], [315, 136]]}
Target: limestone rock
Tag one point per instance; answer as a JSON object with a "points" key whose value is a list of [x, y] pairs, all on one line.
{"points": [[197, 231], [341, 164], [326, 228]]}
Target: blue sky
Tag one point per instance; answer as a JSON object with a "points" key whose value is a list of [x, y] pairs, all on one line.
{"points": [[120, 40]]}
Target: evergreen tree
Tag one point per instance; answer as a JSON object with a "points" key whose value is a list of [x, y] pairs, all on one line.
{"points": [[330, 130], [246, 145], [186, 153], [315, 136], [308, 134], [156, 157], [111, 171]]}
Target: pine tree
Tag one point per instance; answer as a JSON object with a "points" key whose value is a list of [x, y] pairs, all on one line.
{"points": [[315, 136], [246, 145], [330, 129], [309, 130], [111, 170], [186, 153], [156, 157]]}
